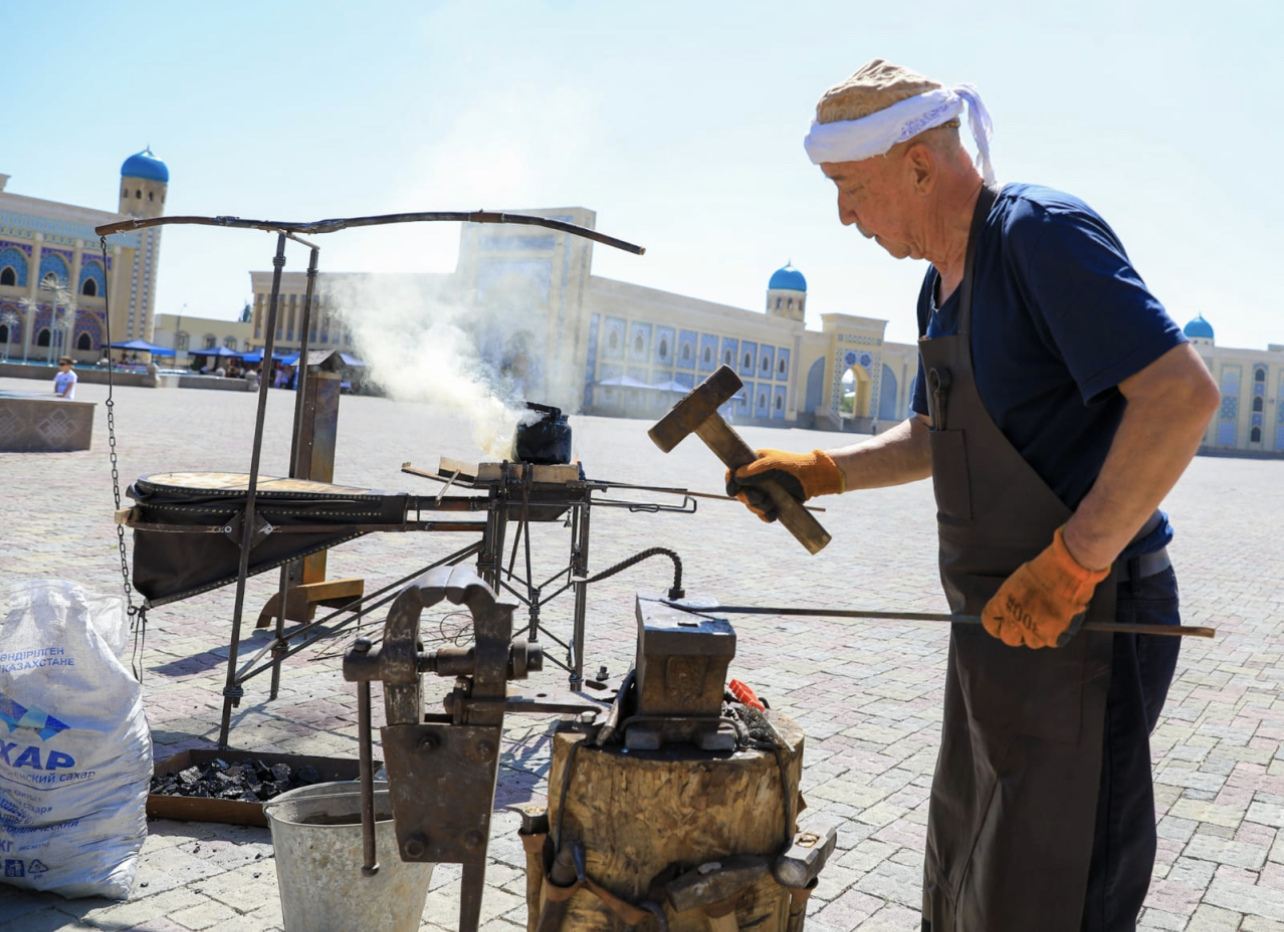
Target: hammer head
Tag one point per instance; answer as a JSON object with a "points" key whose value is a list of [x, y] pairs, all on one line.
{"points": [[696, 407], [714, 882], [812, 846]]}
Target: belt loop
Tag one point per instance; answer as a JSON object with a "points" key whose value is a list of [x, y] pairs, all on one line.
{"points": [[1134, 575]]}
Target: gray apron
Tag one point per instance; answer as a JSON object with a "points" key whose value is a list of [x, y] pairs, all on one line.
{"points": [[1014, 797]]}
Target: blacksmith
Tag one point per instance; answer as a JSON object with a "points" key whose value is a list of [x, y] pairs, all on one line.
{"points": [[1056, 405]]}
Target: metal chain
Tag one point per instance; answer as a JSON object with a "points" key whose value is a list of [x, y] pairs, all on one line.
{"points": [[137, 616]]}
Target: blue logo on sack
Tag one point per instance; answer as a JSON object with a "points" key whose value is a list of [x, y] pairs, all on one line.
{"points": [[19, 716]]}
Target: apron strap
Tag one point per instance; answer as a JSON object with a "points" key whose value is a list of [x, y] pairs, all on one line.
{"points": [[984, 202]]}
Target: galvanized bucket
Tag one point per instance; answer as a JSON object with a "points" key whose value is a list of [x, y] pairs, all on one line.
{"points": [[316, 831]]}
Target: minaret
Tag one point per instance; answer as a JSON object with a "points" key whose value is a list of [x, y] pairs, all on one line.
{"points": [[787, 293], [144, 181]]}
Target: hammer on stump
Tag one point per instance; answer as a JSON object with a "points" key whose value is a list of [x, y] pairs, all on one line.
{"points": [[798, 869], [697, 413]]}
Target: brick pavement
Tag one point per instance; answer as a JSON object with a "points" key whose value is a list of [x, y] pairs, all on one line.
{"points": [[867, 694]]}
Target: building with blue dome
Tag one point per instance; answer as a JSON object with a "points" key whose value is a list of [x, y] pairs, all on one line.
{"points": [[1199, 329], [145, 166], [54, 277]]}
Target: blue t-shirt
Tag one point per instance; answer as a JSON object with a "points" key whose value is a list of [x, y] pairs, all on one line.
{"points": [[1059, 318]]}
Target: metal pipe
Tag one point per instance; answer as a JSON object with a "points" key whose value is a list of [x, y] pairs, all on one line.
{"points": [[232, 690], [302, 411], [366, 750], [288, 227], [580, 561], [1115, 627]]}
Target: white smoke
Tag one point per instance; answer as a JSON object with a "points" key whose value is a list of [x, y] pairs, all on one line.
{"points": [[422, 344]]}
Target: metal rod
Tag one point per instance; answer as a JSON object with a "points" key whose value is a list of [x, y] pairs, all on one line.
{"points": [[366, 749], [297, 471], [579, 565], [1106, 626], [288, 227], [232, 690]]}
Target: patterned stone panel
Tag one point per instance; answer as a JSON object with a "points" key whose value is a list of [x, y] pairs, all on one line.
{"points": [[57, 263], [782, 364], [613, 338], [11, 255], [778, 403], [36, 425], [92, 268], [748, 356]]}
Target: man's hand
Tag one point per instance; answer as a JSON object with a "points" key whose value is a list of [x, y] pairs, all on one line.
{"points": [[1043, 603], [802, 475]]}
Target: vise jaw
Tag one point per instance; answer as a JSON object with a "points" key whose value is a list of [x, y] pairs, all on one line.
{"points": [[442, 767]]}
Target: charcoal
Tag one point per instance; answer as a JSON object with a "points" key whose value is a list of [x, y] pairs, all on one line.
{"points": [[189, 777], [281, 773], [236, 772], [307, 775], [230, 792], [261, 770], [218, 764]]}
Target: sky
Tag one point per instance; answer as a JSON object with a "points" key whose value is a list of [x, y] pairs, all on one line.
{"points": [[679, 123]]}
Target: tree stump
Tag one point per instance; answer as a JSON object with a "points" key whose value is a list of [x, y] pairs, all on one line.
{"points": [[638, 813]]}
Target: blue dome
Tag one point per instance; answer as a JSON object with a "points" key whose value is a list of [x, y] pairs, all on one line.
{"points": [[146, 166], [1199, 328], [788, 278]]}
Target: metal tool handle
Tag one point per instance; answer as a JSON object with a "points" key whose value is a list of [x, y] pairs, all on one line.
{"points": [[735, 453]]}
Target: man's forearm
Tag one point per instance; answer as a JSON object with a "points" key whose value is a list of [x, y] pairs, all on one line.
{"points": [[894, 457], [1169, 407]]}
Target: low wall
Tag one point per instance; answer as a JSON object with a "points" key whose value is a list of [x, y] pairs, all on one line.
{"points": [[44, 425], [87, 374], [213, 383]]}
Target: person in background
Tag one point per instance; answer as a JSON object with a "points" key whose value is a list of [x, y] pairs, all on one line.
{"points": [[65, 380]]}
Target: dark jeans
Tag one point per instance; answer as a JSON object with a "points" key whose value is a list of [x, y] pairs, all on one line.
{"points": [[1123, 849]]}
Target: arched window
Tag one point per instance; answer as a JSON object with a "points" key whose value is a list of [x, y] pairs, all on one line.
{"points": [[4, 333], [777, 304], [1257, 405], [50, 281], [639, 344], [42, 338], [781, 367], [613, 341], [664, 348], [766, 365], [83, 342], [1259, 375], [686, 352], [124, 192], [149, 195], [8, 276], [209, 341], [791, 304], [748, 364], [182, 340], [138, 195], [780, 402], [90, 288], [230, 342], [708, 354], [726, 357], [1255, 435], [800, 303], [762, 401]]}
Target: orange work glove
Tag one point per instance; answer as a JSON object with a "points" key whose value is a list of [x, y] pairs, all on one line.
{"points": [[1044, 602], [802, 475]]}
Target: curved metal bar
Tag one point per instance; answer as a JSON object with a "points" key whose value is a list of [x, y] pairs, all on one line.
{"points": [[290, 227]]}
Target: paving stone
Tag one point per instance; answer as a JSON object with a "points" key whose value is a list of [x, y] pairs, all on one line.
{"points": [[1211, 919], [867, 694]]}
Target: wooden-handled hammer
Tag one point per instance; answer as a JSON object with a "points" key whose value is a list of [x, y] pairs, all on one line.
{"points": [[697, 413]]}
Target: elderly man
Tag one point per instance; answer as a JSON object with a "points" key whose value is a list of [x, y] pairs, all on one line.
{"points": [[1056, 405]]}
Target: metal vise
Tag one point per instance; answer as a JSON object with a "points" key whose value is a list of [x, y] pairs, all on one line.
{"points": [[441, 767]]}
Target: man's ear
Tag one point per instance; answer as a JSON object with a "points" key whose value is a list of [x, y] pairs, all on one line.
{"points": [[921, 162]]}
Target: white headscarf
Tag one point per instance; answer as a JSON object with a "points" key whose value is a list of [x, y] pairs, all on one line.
{"points": [[854, 140]]}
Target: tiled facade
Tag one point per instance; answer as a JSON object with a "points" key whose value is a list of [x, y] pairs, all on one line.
{"points": [[54, 278]]}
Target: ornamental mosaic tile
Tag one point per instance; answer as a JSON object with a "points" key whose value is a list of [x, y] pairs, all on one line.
{"points": [[65, 232], [782, 364], [748, 355], [664, 344], [730, 349]]}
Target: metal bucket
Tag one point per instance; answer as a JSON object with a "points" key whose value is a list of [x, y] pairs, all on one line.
{"points": [[316, 831]]}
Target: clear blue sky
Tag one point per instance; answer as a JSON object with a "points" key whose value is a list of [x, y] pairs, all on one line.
{"points": [[680, 123]]}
